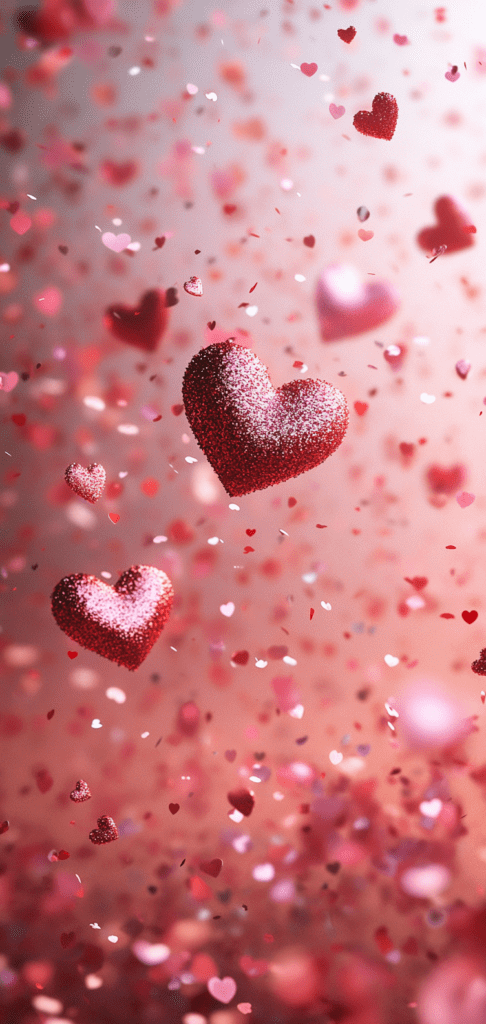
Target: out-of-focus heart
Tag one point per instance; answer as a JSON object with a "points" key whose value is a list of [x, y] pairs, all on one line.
{"points": [[346, 306], [453, 228], [142, 325]]}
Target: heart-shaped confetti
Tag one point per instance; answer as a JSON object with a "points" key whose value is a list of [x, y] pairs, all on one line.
{"points": [[451, 230], [118, 174], [253, 968], [88, 483], [346, 306], [365, 236], [193, 286], [462, 368], [336, 112], [418, 582], [308, 69], [227, 609], [81, 792], [400, 40], [230, 755], [469, 617], [106, 832], [117, 243], [445, 479], [121, 623], [222, 989], [8, 381], [173, 808], [142, 325], [240, 657], [242, 801], [309, 241], [453, 74], [211, 867], [253, 435], [347, 34], [381, 122], [431, 808], [360, 408], [464, 499], [391, 661]]}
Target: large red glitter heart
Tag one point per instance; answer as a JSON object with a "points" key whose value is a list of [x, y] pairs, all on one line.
{"points": [[106, 832], [253, 435], [382, 120], [88, 483], [452, 230], [121, 623], [143, 325], [346, 306]]}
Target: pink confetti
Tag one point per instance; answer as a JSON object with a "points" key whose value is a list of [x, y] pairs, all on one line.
{"points": [[244, 1007], [117, 243], [464, 499], [222, 989]]}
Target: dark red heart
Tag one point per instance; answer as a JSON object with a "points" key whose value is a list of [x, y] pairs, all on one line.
{"points": [[347, 34], [81, 792], [4, 827], [88, 483], [253, 435], [451, 229], [160, 241], [106, 832], [63, 249], [118, 174], [173, 808], [346, 306], [211, 324], [418, 582], [479, 666], [143, 325], [382, 120], [67, 939], [211, 867], [309, 241], [240, 658], [470, 617], [446, 479], [406, 449], [242, 801], [121, 623]]}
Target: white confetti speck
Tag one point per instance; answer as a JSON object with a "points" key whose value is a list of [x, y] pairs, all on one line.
{"points": [[96, 724], [390, 660], [427, 399], [335, 757]]}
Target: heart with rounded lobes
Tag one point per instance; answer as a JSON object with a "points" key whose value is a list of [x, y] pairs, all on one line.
{"points": [[88, 483], [121, 623], [142, 325], [254, 435], [346, 306]]}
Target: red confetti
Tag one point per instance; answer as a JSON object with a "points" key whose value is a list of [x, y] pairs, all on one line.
{"points": [[240, 657], [19, 419], [50, 714], [142, 326], [250, 533], [149, 486], [447, 615], [452, 229], [469, 617], [311, 616], [72, 654], [63, 855], [419, 582], [211, 867], [347, 34], [308, 69], [242, 801], [80, 793], [176, 410], [4, 827], [382, 120], [310, 241], [115, 518], [360, 408]]}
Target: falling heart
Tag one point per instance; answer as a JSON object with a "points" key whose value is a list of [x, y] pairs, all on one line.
{"points": [[142, 325], [81, 792], [106, 832], [253, 435], [121, 623], [381, 121], [88, 483], [117, 243], [308, 69], [453, 228], [222, 989], [347, 34], [118, 174], [211, 867], [346, 306], [8, 381], [446, 479]]}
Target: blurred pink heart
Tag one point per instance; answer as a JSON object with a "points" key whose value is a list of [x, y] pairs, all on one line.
{"points": [[244, 1007], [222, 989], [117, 243], [335, 111], [452, 75], [8, 381], [464, 499], [347, 306]]}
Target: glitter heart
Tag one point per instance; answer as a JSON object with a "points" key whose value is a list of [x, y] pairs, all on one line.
{"points": [[88, 483], [336, 112], [117, 243], [381, 121], [142, 325], [452, 228], [242, 801], [346, 306], [479, 666], [81, 792], [347, 34], [222, 989], [193, 286], [253, 435], [308, 69], [121, 623], [8, 381], [106, 832]]}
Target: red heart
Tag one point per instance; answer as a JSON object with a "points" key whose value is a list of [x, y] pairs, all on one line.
{"points": [[310, 241], [240, 657], [120, 623], [118, 174], [88, 483], [446, 480], [479, 666], [253, 968], [382, 120], [160, 241], [251, 533], [253, 435], [451, 229], [143, 325], [469, 617], [419, 582], [173, 808], [346, 306], [106, 832], [212, 867], [308, 69], [347, 34], [242, 801], [406, 449], [81, 792], [67, 939]]}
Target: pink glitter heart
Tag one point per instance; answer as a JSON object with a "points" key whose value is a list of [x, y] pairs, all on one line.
{"points": [[253, 435], [88, 483], [346, 306], [8, 381], [117, 243], [222, 989], [81, 792], [106, 832], [121, 623]]}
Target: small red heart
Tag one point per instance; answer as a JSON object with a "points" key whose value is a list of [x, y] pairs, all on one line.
{"points": [[310, 241], [406, 449], [88, 483], [211, 867], [347, 34], [462, 368], [451, 230], [479, 666], [400, 40], [470, 617], [67, 939], [242, 801], [63, 855], [43, 780], [63, 249], [240, 657], [160, 241], [308, 69], [19, 419], [211, 324], [381, 122], [360, 408], [250, 533], [173, 808], [81, 792], [143, 325], [230, 755], [106, 832], [115, 518], [229, 208], [72, 655], [118, 174], [253, 968]]}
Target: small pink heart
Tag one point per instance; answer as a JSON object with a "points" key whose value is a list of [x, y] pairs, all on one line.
{"points": [[365, 235], [8, 381], [400, 40], [222, 989], [230, 755], [117, 243], [464, 499], [452, 75], [193, 286], [308, 69], [335, 111], [462, 368], [244, 1007]]}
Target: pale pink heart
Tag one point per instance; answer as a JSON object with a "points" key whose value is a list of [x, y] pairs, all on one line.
{"points": [[222, 989], [193, 286], [117, 243], [464, 499], [335, 111], [244, 1007], [452, 76], [8, 381]]}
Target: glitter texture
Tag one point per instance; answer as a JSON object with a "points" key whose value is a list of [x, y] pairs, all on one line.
{"points": [[253, 435], [88, 483], [382, 120], [142, 326], [106, 832], [120, 623], [81, 792]]}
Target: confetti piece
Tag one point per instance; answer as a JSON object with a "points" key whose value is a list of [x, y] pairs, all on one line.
{"points": [[336, 112], [117, 243], [347, 34], [464, 499], [462, 368], [308, 69], [365, 236], [309, 241], [142, 326], [451, 233], [390, 660], [382, 120], [115, 518], [360, 408], [72, 654], [244, 1007], [193, 286], [81, 792], [173, 808], [400, 40], [469, 617], [453, 74]]}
